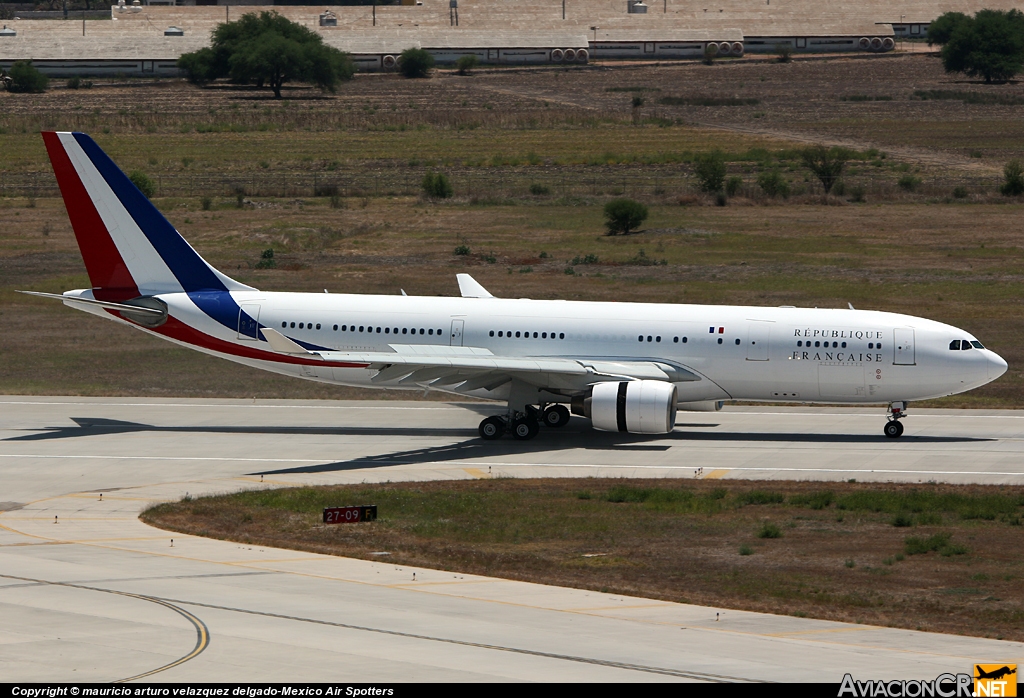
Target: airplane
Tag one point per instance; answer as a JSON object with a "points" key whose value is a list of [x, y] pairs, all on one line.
{"points": [[627, 367]]}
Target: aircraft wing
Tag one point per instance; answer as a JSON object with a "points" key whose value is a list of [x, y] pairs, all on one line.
{"points": [[465, 369]]}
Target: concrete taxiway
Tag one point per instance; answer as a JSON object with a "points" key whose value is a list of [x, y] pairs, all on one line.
{"points": [[89, 593]]}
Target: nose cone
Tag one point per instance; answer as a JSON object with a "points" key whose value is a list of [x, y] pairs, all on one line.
{"points": [[996, 365]]}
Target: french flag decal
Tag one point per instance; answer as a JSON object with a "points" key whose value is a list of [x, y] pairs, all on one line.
{"points": [[721, 330]]}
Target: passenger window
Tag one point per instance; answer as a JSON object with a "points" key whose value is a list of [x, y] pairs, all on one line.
{"points": [[684, 340], [387, 330], [300, 325], [719, 340], [421, 330], [737, 342], [640, 338], [517, 335], [439, 332], [492, 333], [335, 328], [844, 345], [500, 333], [648, 338], [799, 343], [817, 344], [561, 335], [543, 335], [431, 332], [871, 345], [284, 324], [318, 326], [878, 346], [658, 338], [675, 340]]}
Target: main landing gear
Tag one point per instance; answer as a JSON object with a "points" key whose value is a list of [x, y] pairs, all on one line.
{"points": [[524, 425], [897, 411]]}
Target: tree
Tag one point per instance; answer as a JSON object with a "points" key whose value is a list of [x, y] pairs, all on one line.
{"points": [[773, 184], [415, 63], [25, 77], [943, 27], [826, 163], [267, 49], [989, 45], [143, 182], [709, 169], [623, 215], [466, 63], [437, 186], [1013, 175]]}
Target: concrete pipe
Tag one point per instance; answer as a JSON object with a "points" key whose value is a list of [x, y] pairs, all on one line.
{"points": [[557, 55], [569, 54], [582, 55], [389, 62]]}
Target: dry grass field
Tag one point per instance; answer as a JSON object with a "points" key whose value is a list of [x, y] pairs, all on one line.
{"points": [[922, 250], [930, 557]]}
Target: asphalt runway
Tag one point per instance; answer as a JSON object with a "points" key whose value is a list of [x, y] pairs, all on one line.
{"points": [[89, 593]]}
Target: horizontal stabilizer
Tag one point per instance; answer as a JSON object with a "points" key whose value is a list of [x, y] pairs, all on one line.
{"points": [[137, 309], [281, 344], [470, 288]]}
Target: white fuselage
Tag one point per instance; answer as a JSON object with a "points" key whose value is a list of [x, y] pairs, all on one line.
{"points": [[739, 352]]}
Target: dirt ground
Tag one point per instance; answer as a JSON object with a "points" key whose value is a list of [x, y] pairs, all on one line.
{"points": [[497, 132], [927, 557]]}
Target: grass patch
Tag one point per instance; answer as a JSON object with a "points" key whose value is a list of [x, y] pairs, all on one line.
{"points": [[666, 539], [970, 97], [709, 101]]}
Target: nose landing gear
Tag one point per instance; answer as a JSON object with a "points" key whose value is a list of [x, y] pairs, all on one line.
{"points": [[897, 411]]}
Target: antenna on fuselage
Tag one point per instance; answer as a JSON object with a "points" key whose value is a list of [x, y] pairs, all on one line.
{"points": [[850, 305]]}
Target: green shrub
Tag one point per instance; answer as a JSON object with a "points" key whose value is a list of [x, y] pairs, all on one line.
{"points": [[908, 182], [73, 83], [624, 215], [773, 184], [25, 77], [466, 63], [585, 259], [462, 250], [857, 194], [267, 260], [143, 182], [732, 185], [437, 186], [709, 169], [769, 530], [539, 190], [1013, 174], [721, 199], [938, 543], [839, 188], [415, 63], [826, 163], [902, 520], [784, 52], [746, 550], [207, 203], [815, 500], [960, 192]]}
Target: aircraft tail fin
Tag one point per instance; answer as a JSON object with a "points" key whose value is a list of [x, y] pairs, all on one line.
{"points": [[129, 248]]}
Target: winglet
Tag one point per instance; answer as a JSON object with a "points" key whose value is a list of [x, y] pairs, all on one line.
{"points": [[281, 344], [470, 288]]}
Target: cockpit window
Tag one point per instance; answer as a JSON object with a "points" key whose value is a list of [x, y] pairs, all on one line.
{"points": [[976, 344], [954, 345]]}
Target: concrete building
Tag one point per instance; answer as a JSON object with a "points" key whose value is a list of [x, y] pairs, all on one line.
{"points": [[146, 39]]}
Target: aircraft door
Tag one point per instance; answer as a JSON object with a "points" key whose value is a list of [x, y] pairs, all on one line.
{"points": [[457, 326], [903, 346], [757, 340], [249, 321]]}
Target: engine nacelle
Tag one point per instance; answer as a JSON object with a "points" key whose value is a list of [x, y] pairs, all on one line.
{"points": [[637, 407]]}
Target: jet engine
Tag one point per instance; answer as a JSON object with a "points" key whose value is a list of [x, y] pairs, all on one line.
{"points": [[637, 407]]}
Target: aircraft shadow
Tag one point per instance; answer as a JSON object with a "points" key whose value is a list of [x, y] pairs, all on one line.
{"points": [[577, 435]]}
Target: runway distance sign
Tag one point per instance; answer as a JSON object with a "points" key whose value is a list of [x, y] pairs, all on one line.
{"points": [[338, 515]]}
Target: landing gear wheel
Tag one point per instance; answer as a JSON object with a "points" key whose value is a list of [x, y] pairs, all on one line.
{"points": [[556, 416], [525, 428], [893, 429], [492, 428]]}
